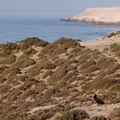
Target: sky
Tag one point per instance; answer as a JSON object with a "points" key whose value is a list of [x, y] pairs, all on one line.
{"points": [[54, 5]]}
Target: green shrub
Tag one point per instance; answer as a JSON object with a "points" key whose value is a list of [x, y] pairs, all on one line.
{"points": [[68, 42], [35, 41]]}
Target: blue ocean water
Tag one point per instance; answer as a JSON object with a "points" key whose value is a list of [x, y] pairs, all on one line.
{"points": [[48, 26]]}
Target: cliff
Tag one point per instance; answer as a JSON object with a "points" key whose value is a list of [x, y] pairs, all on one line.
{"points": [[109, 15]]}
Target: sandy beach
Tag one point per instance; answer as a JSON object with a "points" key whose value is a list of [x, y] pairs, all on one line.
{"points": [[101, 42]]}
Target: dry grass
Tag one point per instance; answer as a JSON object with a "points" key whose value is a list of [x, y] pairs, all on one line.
{"points": [[30, 51], [36, 69], [2, 79], [103, 83], [35, 41], [77, 114], [47, 74], [9, 46], [58, 47], [104, 62], [52, 80], [115, 49], [61, 72], [8, 60], [24, 62], [99, 118], [113, 34], [87, 64], [3, 68], [13, 70], [115, 114], [59, 62]]}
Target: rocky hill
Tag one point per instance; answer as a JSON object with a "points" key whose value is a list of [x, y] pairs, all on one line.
{"points": [[57, 81], [110, 15]]}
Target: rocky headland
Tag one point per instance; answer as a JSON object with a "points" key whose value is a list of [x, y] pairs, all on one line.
{"points": [[57, 81], [110, 16]]}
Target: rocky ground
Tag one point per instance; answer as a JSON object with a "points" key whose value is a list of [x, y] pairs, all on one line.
{"points": [[57, 81]]}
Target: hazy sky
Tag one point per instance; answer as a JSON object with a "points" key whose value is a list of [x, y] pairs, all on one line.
{"points": [[54, 5]]}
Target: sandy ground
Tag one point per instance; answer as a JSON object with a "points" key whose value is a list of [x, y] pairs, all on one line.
{"points": [[101, 43], [102, 110], [35, 109]]}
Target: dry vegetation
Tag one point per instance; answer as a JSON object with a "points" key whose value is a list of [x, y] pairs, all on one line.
{"points": [[113, 34], [51, 87]]}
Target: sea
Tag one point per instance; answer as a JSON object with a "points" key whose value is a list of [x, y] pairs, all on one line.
{"points": [[16, 26]]}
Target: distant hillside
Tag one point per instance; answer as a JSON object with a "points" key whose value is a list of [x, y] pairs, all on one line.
{"points": [[57, 81], [110, 15]]}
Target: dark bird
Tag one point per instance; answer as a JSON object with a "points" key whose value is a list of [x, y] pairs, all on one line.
{"points": [[98, 100]]}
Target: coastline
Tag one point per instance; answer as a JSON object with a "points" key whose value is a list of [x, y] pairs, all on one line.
{"points": [[90, 22], [105, 16]]}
